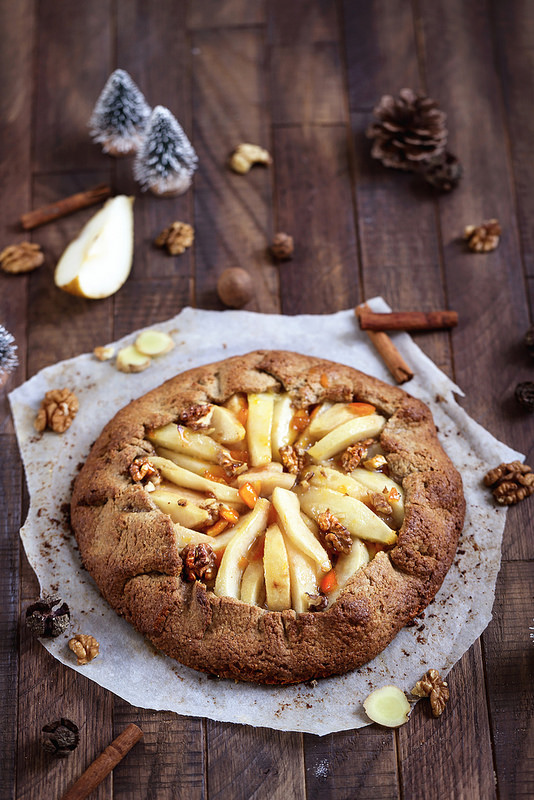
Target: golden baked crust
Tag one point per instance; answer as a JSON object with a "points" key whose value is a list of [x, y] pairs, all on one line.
{"points": [[128, 544]]}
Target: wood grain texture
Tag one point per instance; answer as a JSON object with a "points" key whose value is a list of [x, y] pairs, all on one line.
{"points": [[508, 655], [251, 763], [232, 212], [225, 13], [303, 21]]}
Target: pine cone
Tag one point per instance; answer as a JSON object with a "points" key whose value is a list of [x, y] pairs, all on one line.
{"points": [[443, 172], [409, 129]]}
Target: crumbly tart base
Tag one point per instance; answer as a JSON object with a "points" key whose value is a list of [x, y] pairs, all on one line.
{"points": [[128, 545]]}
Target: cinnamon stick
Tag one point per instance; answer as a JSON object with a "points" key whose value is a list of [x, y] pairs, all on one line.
{"points": [[406, 320], [389, 353], [44, 214], [104, 763]]}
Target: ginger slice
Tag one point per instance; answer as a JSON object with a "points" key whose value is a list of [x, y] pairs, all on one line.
{"points": [[388, 706], [129, 359], [154, 343]]}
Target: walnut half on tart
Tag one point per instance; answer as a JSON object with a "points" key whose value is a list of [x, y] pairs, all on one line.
{"points": [[272, 517]]}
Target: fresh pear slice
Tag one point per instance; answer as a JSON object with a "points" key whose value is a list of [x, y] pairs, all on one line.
{"points": [[234, 560], [154, 343], [377, 482], [388, 706], [276, 570], [184, 536], [346, 434], [354, 515], [191, 463], [225, 427], [347, 564], [282, 433], [98, 261], [303, 574], [190, 480], [179, 509], [259, 423], [269, 479], [287, 507], [330, 478], [191, 443], [253, 584], [329, 418], [129, 359]]}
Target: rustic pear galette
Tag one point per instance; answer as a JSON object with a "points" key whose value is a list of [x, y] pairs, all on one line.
{"points": [[272, 517]]}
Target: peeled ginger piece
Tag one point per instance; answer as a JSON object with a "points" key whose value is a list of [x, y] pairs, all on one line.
{"points": [[388, 706], [154, 343]]}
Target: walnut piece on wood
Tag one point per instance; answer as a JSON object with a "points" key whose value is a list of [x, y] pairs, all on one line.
{"points": [[282, 246], [57, 411], [177, 237], [431, 685], [483, 238], [246, 155], [510, 483], [21, 257], [85, 647]]}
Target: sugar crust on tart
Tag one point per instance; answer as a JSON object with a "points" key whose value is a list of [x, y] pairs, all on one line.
{"points": [[321, 594]]}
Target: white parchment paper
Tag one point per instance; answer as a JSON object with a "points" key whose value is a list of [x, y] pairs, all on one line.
{"points": [[128, 665]]}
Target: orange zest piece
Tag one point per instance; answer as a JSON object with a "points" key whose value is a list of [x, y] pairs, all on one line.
{"points": [[213, 474], [362, 409], [248, 494], [300, 420], [239, 455], [393, 494], [229, 514], [329, 582], [243, 562], [217, 528], [324, 380]]}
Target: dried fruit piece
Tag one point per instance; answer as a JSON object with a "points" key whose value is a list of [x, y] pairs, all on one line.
{"points": [[48, 617], [483, 238], [104, 353], [177, 237], [246, 155], [129, 359], [60, 737], [282, 246], [431, 685], [22, 257], [154, 343], [235, 287], [85, 647], [57, 411], [388, 706]]}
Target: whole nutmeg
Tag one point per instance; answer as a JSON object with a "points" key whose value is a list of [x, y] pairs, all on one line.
{"points": [[235, 287], [48, 617], [60, 738]]}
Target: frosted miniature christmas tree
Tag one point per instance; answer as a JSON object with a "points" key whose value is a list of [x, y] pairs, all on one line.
{"points": [[166, 160], [119, 116]]}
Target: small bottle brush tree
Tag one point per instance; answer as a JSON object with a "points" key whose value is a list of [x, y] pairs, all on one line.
{"points": [[166, 160], [119, 116]]}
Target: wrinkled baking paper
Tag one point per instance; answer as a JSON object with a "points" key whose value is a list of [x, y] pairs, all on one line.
{"points": [[128, 665]]}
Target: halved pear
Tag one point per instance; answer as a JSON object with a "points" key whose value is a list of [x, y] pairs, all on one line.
{"points": [[98, 261]]}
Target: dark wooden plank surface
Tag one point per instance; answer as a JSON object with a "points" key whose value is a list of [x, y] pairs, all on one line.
{"points": [[301, 79]]}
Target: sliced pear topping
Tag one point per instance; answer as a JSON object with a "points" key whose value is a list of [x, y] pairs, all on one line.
{"points": [[98, 261], [234, 560], [330, 417], [190, 480], [129, 359], [282, 432], [377, 482], [179, 509], [191, 443], [276, 570], [185, 536], [253, 584], [303, 572], [259, 423], [347, 565], [154, 343], [330, 478], [269, 479], [353, 514], [348, 433], [288, 509], [388, 706], [225, 426]]}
